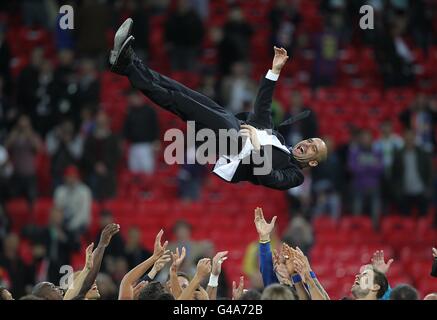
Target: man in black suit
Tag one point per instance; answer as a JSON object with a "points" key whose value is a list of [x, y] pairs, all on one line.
{"points": [[253, 131]]}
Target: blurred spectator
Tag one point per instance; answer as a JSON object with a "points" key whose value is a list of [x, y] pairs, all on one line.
{"points": [[65, 82], [327, 184], [74, 199], [238, 88], [326, 46], [235, 44], [299, 198], [23, 145], [304, 129], [392, 53], [141, 12], [35, 13], [56, 243], [141, 129], [88, 121], [404, 292], [299, 233], [388, 144], [284, 21], [19, 274], [422, 118], [135, 252], [64, 148], [100, 158], [5, 225], [88, 86], [182, 238], [92, 21], [184, 34], [366, 167], [116, 247], [190, 177], [412, 176], [5, 174], [35, 87]]}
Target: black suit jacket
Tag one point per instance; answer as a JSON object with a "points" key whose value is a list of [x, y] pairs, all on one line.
{"points": [[285, 173]]}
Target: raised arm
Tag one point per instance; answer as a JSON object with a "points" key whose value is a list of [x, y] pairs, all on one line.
{"points": [[203, 269], [262, 108], [434, 265], [177, 258], [217, 261], [105, 238], [264, 230], [126, 291], [77, 283], [289, 255]]}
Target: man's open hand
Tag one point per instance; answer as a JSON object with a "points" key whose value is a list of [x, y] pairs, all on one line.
{"points": [[178, 258], [217, 261], [108, 232], [279, 60], [263, 228], [203, 267], [159, 248], [250, 133], [237, 292], [379, 263], [434, 252]]}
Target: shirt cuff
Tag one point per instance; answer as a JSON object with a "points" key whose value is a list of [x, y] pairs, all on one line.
{"points": [[272, 76]]}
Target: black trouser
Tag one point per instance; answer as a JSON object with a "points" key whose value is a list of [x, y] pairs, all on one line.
{"points": [[187, 104]]}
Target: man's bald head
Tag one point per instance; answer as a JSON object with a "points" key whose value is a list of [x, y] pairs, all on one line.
{"points": [[48, 291], [310, 152]]}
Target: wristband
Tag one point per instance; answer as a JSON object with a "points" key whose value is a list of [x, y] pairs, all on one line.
{"points": [[264, 241], [213, 281], [313, 275], [296, 278]]}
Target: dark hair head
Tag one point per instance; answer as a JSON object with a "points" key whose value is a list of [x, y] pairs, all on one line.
{"points": [[180, 274], [404, 292], [381, 280], [152, 291], [251, 295], [165, 296]]}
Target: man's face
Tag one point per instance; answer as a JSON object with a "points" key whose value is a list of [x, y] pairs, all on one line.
{"points": [[52, 292], [93, 293], [364, 283], [309, 150]]}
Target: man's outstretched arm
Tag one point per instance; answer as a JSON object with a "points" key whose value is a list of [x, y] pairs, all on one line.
{"points": [[262, 108]]}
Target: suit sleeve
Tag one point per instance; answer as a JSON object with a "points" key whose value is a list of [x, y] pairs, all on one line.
{"points": [[281, 179], [262, 114]]}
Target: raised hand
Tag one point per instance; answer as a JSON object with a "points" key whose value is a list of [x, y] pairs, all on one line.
{"points": [[263, 228], [237, 292], [217, 261], [203, 267], [89, 256], [178, 258], [250, 132], [434, 252], [378, 262], [289, 255], [279, 60], [159, 248], [162, 261], [108, 232]]}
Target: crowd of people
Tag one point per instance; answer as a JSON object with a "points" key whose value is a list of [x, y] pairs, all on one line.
{"points": [[52, 105], [286, 275]]}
